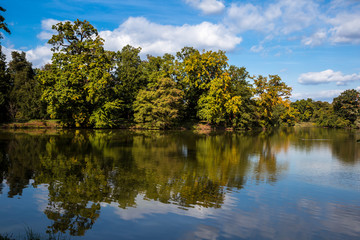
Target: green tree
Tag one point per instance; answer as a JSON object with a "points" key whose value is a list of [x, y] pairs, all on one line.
{"points": [[325, 116], [78, 86], [25, 94], [3, 24], [129, 78], [158, 106], [243, 116], [347, 105], [305, 109], [217, 101], [270, 93], [4, 78], [5, 86], [198, 69]]}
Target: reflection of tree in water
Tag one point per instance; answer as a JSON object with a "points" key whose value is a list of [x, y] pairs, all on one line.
{"points": [[83, 169], [77, 183], [268, 144], [4, 163], [346, 147], [343, 143], [19, 158]]}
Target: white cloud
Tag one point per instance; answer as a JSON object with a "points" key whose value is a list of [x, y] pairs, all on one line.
{"points": [[296, 15], [46, 26], [346, 28], [327, 76], [281, 17], [257, 49], [339, 23], [207, 6], [316, 39], [325, 95], [7, 52], [154, 38], [40, 55], [246, 17], [159, 39]]}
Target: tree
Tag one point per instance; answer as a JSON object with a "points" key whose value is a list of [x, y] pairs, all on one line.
{"points": [[270, 93], [197, 72], [305, 109], [243, 115], [78, 86], [347, 105], [25, 94], [129, 78], [214, 104], [4, 78], [158, 106], [5, 86], [3, 25]]}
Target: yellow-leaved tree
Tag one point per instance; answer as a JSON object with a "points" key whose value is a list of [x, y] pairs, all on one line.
{"points": [[272, 100]]}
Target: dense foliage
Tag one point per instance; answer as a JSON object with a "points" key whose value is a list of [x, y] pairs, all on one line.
{"points": [[88, 86]]}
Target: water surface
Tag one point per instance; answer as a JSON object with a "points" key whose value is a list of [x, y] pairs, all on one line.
{"points": [[287, 184]]}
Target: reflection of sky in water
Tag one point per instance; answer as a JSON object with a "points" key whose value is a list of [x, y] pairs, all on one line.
{"points": [[256, 212], [148, 207], [321, 167]]}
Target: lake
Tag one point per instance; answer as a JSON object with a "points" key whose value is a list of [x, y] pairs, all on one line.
{"points": [[293, 183]]}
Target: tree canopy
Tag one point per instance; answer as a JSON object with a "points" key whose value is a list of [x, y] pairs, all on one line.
{"points": [[85, 85], [78, 86], [3, 24]]}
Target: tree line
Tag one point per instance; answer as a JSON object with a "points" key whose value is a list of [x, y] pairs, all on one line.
{"points": [[88, 86]]}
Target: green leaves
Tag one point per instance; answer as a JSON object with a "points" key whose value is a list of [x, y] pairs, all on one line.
{"points": [[78, 86], [3, 25], [158, 106], [271, 93], [347, 105]]}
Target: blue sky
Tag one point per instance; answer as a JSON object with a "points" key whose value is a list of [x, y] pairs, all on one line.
{"points": [[314, 45]]}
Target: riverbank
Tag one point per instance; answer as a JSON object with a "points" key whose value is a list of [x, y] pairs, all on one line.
{"points": [[33, 124]]}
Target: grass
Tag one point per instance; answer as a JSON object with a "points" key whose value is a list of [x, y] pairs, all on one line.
{"points": [[305, 124], [35, 123], [31, 235]]}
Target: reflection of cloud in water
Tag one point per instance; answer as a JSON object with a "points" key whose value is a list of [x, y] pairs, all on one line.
{"points": [[203, 232], [343, 219], [339, 221], [322, 168], [310, 206], [42, 197], [148, 207]]}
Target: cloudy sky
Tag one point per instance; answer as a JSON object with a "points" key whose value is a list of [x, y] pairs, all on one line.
{"points": [[314, 45]]}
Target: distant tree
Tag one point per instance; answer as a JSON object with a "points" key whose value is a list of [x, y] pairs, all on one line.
{"points": [[324, 116], [78, 87], [25, 94], [305, 109], [159, 105], [347, 105]]}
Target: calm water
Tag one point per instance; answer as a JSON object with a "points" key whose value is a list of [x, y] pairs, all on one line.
{"points": [[289, 184]]}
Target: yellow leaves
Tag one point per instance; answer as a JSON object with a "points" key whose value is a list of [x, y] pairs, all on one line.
{"points": [[271, 93], [233, 105], [75, 97]]}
